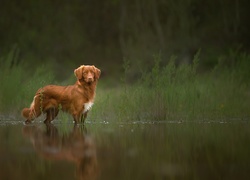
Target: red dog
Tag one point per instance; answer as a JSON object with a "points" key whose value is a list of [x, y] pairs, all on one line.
{"points": [[76, 99]]}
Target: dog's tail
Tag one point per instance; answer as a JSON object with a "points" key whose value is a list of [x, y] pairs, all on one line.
{"points": [[26, 112], [34, 110]]}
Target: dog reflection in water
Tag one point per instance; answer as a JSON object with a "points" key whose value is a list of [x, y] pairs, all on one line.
{"points": [[76, 147]]}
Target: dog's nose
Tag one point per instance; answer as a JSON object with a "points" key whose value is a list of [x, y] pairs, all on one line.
{"points": [[90, 79]]}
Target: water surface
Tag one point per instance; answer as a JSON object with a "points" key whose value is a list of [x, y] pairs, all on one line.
{"points": [[134, 150]]}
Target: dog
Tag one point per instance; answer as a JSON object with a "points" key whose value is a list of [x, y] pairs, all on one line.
{"points": [[74, 99]]}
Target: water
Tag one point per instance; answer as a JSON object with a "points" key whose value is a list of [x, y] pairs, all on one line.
{"points": [[135, 150]]}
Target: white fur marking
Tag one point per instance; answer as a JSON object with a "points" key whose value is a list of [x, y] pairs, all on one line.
{"points": [[87, 106], [33, 102]]}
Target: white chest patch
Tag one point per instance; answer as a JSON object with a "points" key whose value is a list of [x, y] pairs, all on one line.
{"points": [[87, 106]]}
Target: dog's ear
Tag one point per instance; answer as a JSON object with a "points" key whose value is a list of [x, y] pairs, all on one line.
{"points": [[97, 72], [78, 72]]}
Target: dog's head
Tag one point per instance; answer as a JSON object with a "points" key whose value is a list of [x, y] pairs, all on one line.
{"points": [[87, 73]]}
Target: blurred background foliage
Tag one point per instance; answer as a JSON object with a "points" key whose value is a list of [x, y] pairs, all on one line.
{"points": [[65, 34]]}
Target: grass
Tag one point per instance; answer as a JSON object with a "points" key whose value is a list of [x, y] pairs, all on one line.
{"points": [[180, 93], [164, 92], [19, 84]]}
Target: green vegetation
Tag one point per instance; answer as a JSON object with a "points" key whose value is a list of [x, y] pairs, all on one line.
{"points": [[164, 92], [19, 83], [181, 93]]}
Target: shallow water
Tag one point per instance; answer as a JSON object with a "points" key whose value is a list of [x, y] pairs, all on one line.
{"points": [[134, 150]]}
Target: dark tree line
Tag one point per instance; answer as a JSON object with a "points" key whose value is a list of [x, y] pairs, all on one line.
{"points": [[104, 32]]}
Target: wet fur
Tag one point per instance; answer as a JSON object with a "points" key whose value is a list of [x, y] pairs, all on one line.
{"points": [[75, 99]]}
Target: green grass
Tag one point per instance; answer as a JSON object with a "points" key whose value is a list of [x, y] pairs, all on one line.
{"points": [[165, 92], [19, 83], [180, 93]]}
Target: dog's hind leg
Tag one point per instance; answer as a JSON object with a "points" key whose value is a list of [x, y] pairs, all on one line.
{"points": [[51, 115]]}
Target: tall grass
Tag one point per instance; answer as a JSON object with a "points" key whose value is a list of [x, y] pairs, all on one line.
{"points": [[164, 92], [18, 84], [173, 92]]}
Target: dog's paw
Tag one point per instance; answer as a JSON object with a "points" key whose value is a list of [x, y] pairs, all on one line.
{"points": [[27, 122]]}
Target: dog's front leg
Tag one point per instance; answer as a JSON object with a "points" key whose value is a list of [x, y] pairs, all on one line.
{"points": [[84, 116], [77, 118]]}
